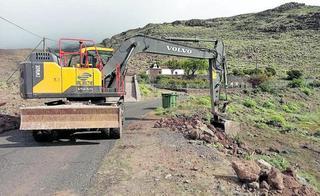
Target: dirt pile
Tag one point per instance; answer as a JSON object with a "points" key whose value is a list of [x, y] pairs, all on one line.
{"points": [[260, 176], [193, 127]]}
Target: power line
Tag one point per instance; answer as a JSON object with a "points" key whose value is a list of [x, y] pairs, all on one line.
{"points": [[26, 30], [24, 60]]}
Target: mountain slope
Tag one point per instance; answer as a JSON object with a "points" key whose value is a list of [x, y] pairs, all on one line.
{"points": [[283, 37]]}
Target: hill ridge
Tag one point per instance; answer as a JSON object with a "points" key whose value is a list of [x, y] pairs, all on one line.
{"points": [[283, 37]]}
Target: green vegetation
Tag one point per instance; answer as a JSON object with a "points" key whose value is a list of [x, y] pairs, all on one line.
{"points": [[294, 74], [143, 78], [315, 84], [250, 103], [284, 40], [190, 66], [296, 83], [290, 107], [317, 134], [281, 112], [147, 91], [178, 83], [277, 120], [268, 105], [269, 71], [199, 105], [277, 161], [268, 86], [306, 90], [311, 179]]}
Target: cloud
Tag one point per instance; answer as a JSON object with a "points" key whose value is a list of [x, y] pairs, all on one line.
{"points": [[98, 19]]}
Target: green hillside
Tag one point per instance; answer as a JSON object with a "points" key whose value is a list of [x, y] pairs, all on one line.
{"points": [[284, 37], [283, 112]]}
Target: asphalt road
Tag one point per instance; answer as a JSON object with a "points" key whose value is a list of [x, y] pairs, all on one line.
{"points": [[30, 168]]}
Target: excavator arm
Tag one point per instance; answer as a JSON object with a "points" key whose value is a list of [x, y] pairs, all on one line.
{"points": [[147, 44]]}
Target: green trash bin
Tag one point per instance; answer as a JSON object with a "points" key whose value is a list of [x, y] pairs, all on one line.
{"points": [[169, 100]]}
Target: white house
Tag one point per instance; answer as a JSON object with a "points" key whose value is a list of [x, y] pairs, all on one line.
{"points": [[166, 72], [156, 69], [178, 72]]}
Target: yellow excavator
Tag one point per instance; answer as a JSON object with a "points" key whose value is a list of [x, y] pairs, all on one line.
{"points": [[83, 79]]}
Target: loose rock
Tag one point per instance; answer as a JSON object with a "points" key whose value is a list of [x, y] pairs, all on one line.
{"points": [[264, 164], [264, 185], [254, 185], [275, 179], [168, 176], [247, 171]]}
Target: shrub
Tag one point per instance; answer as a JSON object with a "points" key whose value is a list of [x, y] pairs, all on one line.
{"points": [[306, 90], [143, 78], [267, 86], [290, 108], [146, 90], [237, 72], [268, 104], [317, 134], [294, 74], [256, 80], [253, 71], [250, 103], [296, 83], [178, 83], [315, 84], [162, 77], [277, 161], [288, 129], [204, 100], [277, 121], [270, 71]]}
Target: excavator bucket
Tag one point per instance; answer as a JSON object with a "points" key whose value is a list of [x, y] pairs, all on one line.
{"points": [[70, 117]]}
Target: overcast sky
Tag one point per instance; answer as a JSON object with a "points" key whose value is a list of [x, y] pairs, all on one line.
{"points": [[99, 19]]}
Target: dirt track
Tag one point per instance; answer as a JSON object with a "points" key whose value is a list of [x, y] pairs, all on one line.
{"points": [[29, 168], [150, 161]]}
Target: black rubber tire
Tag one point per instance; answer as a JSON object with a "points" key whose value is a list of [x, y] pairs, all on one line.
{"points": [[115, 133], [42, 136], [105, 133]]}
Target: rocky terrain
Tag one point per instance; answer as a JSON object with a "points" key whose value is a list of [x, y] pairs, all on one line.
{"points": [[10, 99], [257, 176]]}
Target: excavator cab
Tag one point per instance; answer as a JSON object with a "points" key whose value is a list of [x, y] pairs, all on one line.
{"points": [[82, 56], [96, 54]]}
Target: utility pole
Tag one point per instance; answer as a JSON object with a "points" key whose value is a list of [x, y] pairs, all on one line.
{"points": [[256, 53]]}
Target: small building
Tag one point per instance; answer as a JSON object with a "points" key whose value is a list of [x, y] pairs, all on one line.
{"points": [[166, 72], [178, 72], [155, 70]]}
